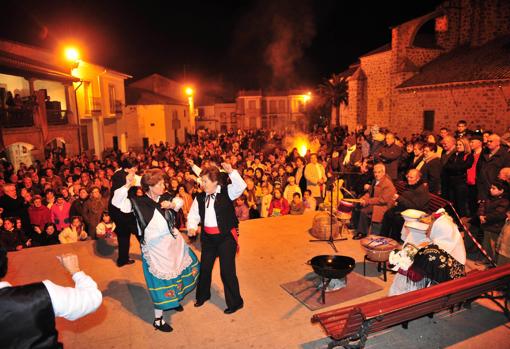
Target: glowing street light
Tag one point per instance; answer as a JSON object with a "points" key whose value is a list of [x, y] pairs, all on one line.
{"points": [[189, 91], [72, 54], [307, 97]]}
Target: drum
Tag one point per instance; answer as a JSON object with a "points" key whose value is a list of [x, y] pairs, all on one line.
{"points": [[378, 248], [345, 209], [321, 226]]}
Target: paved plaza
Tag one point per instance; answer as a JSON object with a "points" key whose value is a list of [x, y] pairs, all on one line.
{"points": [[273, 252]]}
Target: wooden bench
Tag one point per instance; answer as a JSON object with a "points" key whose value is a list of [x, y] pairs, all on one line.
{"points": [[354, 323]]}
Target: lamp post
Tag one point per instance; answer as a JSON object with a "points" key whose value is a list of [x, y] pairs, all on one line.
{"points": [[73, 56], [190, 92]]}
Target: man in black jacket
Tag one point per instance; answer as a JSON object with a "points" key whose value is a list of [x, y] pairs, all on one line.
{"points": [[491, 161], [125, 222], [415, 196]]}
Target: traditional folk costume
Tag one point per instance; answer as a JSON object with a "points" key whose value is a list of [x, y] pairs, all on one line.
{"points": [[170, 267], [216, 214], [443, 257]]}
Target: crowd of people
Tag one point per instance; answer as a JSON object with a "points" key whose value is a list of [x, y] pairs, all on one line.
{"points": [[65, 199]]}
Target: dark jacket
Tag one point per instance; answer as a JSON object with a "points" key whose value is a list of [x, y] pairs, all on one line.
{"points": [[456, 167], [389, 155], [494, 209], [356, 156], [487, 170], [414, 196], [11, 239], [431, 174], [16, 208]]}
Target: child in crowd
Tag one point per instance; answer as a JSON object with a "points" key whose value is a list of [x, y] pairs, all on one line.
{"points": [[73, 233], [50, 234], [309, 201], [492, 214], [296, 205], [291, 189], [12, 239], [279, 205], [106, 227], [265, 201], [242, 211]]}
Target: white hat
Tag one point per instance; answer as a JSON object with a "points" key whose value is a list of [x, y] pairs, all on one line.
{"points": [[417, 226]]}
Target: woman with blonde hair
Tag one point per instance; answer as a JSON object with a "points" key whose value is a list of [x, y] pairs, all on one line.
{"points": [[170, 267], [455, 171]]}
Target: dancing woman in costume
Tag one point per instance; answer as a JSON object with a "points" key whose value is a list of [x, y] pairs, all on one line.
{"points": [[170, 267]]}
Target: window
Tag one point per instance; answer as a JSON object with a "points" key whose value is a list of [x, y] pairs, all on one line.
{"points": [[428, 120], [272, 106], [380, 104], [111, 95], [301, 106], [281, 106]]}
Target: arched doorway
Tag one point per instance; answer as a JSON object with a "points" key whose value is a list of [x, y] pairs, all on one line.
{"points": [[55, 147], [18, 153]]}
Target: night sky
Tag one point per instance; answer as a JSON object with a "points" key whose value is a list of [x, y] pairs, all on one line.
{"points": [[218, 46]]}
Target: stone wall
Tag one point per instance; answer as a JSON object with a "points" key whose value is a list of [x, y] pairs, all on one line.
{"points": [[377, 69], [486, 106]]}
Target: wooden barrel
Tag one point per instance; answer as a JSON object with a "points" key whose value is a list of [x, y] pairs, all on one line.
{"points": [[321, 228]]}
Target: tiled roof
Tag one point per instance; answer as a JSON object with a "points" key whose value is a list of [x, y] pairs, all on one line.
{"points": [[17, 64], [381, 49], [138, 96], [349, 71], [466, 64]]}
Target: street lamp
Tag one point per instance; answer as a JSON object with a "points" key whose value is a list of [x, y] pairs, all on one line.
{"points": [[73, 55], [189, 92]]}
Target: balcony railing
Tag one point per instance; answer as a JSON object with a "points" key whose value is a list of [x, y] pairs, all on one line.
{"points": [[11, 117], [56, 117]]}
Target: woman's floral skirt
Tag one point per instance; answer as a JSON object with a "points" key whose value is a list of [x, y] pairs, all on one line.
{"points": [[167, 294]]}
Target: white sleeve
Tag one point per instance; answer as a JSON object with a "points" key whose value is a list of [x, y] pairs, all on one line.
{"points": [[196, 170], [179, 202], [121, 201], [74, 303], [193, 216], [237, 187]]}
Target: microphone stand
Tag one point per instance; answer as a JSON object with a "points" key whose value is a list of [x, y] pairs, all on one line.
{"points": [[331, 240]]}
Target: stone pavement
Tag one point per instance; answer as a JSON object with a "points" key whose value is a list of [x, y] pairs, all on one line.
{"points": [[273, 251]]}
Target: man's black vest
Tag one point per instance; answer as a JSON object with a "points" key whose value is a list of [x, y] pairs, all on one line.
{"points": [[27, 319], [120, 218], [224, 209]]}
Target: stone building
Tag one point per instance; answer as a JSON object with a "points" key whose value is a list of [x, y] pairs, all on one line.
{"points": [[451, 64]]}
